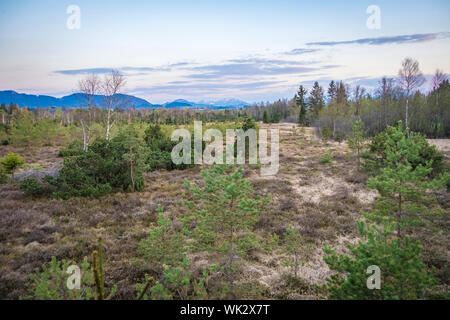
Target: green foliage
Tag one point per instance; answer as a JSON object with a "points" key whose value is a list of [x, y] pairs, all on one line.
{"points": [[160, 147], [3, 175], [403, 275], [424, 153], [107, 166], [164, 250], [356, 142], [51, 282], [32, 187], [97, 258], [163, 245], [326, 158], [326, 133], [73, 149], [293, 241], [266, 118], [225, 211], [11, 162], [403, 181], [302, 106], [223, 207], [248, 123]]}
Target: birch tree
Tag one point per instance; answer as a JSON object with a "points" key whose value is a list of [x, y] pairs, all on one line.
{"points": [[89, 87], [112, 84], [410, 78]]}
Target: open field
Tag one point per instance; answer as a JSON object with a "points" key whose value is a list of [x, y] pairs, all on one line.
{"points": [[322, 200]]}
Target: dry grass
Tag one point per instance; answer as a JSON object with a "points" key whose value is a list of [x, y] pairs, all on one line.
{"points": [[322, 200]]}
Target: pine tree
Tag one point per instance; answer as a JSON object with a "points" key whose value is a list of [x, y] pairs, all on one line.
{"points": [[163, 245], [293, 240], [402, 186], [301, 104], [356, 143], [224, 213], [402, 274]]}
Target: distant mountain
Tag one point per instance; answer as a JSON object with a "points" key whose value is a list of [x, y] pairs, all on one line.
{"points": [[179, 103], [235, 103], [76, 100]]}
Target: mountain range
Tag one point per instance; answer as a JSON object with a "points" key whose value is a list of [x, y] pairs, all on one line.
{"points": [[75, 100]]}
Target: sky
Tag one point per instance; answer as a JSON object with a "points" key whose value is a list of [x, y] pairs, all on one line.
{"points": [[210, 50]]}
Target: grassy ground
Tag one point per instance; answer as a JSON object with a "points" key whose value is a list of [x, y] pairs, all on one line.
{"points": [[323, 199]]}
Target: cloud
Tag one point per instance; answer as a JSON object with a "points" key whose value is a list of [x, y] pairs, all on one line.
{"points": [[411, 38], [299, 51], [253, 67], [84, 71], [129, 71]]}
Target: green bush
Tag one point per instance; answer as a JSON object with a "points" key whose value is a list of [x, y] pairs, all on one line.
{"points": [[31, 187], [326, 158], [35, 188], [11, 162], [115, 165], [159, 150], [377, 155], [325, 132], [403, 275], [73, 149], [50, 282], [3, 175], [248, 123]]}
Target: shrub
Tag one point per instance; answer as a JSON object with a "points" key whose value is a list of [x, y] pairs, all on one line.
{"points": [[293, 241], [248, 123], [32, 187], [73, 149], [107, 166], [50, 282], [326, 158], [11, 162], [356, 142], [403, 275], [378, 149], [225, 211], [3, 175], [325, 132], [160, 149], [163, 245]]}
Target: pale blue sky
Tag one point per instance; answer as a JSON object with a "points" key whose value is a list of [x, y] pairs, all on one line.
{"points": [[201, 50]]}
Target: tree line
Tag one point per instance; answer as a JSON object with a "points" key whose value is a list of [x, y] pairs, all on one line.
{"points": [[335, 110]]}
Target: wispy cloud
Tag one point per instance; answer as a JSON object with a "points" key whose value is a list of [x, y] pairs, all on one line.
{"points": [[411, 38], [126, 70], [299, 51], [253, 67]]}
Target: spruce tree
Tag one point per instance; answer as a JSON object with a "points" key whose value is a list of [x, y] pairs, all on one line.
{"points": [[316, 100], [302, 105], [266, 117]]}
